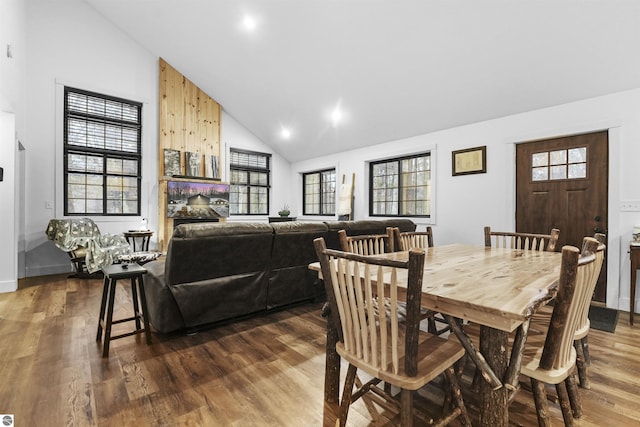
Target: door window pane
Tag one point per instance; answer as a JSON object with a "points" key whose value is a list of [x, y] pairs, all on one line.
{"points": [[559, 164], [540, 159], [540, 174], [558, 157], [578, 171], [578, 155], [559, 172]]}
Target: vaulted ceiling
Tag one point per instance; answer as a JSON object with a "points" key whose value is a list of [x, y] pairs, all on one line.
{"points": [[391, 68]]}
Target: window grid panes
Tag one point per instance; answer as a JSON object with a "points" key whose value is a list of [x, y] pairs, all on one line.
{"points": [[401, 187], [559, 164], [319, 192], [102, 154], [249, 182]]}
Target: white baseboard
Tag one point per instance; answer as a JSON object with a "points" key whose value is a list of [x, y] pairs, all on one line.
{"points": [[46, 270], [8, 286]]}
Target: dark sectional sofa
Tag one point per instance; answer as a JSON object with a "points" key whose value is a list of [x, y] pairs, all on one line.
{"points": [[216, 272]]}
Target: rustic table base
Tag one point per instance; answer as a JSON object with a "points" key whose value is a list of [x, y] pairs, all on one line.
{"points": [[493, 406]]}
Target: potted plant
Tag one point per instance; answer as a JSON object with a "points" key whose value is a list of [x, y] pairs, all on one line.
{"points": [[284, 211]]}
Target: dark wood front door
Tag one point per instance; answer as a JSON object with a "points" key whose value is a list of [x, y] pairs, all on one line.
{"points": [[563, 183]]}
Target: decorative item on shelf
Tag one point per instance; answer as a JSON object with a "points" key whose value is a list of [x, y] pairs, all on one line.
{"points": [[211, 166], [284, 211], [636, 234], [144, 224], [192, 164], [172, 164]]}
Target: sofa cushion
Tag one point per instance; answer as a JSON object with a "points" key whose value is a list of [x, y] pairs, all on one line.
{"points": [[365, 226], [402, 223], [219, 270], [222, 298], [290, 279], [371, 226], [332, 240], [207, 251], [293, 243], [163, 311], [221, 229]]}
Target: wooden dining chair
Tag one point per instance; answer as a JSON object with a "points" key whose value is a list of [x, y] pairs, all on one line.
{"points": [[581, 342], [376, 244], [367, 244], [413, 239], [581, 337], [376, 342], [408, 240], [515, 240], [549, 356]]}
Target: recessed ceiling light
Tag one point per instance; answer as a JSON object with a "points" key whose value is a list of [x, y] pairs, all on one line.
{"points": [[336, 116], [249, 23], [286, 133]]}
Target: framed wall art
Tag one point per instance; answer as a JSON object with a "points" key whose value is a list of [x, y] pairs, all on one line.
{"points": [[172, 165], [469, 161], [197, 200], [192, 163], [211, 166]]}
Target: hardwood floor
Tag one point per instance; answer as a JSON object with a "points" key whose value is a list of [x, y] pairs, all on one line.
{"points": [[264, 371]]}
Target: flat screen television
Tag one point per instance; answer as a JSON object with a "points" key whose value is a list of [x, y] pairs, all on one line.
{"points": [[197, 200]]}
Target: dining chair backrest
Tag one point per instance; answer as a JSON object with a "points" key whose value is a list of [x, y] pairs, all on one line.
{"points": [[516, 240], [583, 324], [367, 244], [385, 345], [406, 241], [576, 274], [413, 239], [376, 337], [550, 355]]}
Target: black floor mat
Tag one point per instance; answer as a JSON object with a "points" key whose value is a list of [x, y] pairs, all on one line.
{"points": [[603, 319]]}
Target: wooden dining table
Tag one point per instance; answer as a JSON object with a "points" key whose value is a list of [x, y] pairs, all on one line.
{"points": [[497, 288]]}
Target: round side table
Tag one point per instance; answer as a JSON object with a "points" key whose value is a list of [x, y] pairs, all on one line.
{"points": [[143, 235]]}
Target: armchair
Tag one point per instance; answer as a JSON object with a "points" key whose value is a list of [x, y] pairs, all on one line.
{"points": [[88, 249]]}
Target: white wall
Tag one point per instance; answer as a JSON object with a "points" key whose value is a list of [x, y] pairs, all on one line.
{"points": [[12, 105], [9, 246], [464, 204], [13, 19], [234, 135], [70, 44]]}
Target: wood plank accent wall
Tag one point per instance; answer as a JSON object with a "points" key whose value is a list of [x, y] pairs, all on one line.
{"points": [[190, 122]]}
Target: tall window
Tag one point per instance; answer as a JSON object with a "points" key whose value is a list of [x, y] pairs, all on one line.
{"points": [[319, 192], [102, 154], [401, 186], [249, 179]]}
